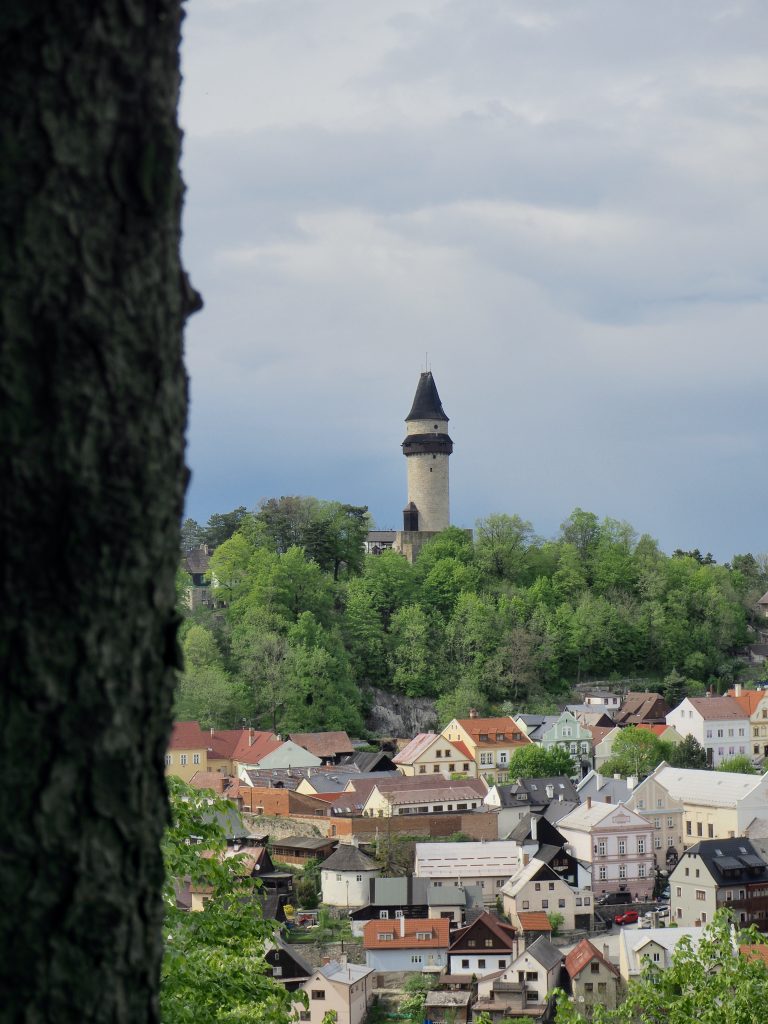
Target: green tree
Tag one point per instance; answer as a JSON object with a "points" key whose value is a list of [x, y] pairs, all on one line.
{"points": [[711, 982], [364, 634], [412, 654], [689, 753], [229, 566], [416, 988], [334, 538], [635, 752], [214, 969], [192, 535], [223, 525], [739, 764], [582, 530], [533, 762], [391, 582], [259, 648], [501, 547], [211, 696]]}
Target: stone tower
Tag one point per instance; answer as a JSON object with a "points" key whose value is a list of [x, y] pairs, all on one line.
{"points": [[427, 448]]}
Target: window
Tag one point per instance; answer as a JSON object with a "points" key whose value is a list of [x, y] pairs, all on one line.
{"points": [[670, 822], [435, 769], [578, 901], [687, 828], [385, 936], [657, 842], [466, 767], [305, 1015], [182, 759], [657, 822], [195, 759], [499, 882], [699, 828], [720, 733], [416, 958], [658, 802], [602, 873], [656, 957], [318, 993], [594, 967], [587, 901], [704, 917], [622, 847], [422, 769], [678, 891], [438, 753], [551, 886], [641, 845], [601, 848], [701, 895], [472, 942], [537, 886], [502, 964], [526, 904], [489, 943], [465, 963], [641, 871], [711, 830], [622, 870], [481, 963], [588, 986], [168, 759], [399, 914], [545, 904], [561, 903], [709, 734]]}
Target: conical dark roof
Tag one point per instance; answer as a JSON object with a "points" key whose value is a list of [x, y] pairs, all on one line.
{"points": [[426, 401]]}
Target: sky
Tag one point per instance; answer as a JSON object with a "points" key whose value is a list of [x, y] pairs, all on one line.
{"points": [[560, 208]]}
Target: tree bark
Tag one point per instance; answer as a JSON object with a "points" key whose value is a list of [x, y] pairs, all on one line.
{"points": [[92, 411]]}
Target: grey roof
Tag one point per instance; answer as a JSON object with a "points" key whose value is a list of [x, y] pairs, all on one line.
{"points": [[558, 809], [393, 892], [447, 895], [365, 761], [547, 851], [294, 954], [600, 787], [426, 401], [336, 782], [537, 788], [522, 830], [548, 956], [346, 973], [304, 843], [731, 855], [348, 858]]}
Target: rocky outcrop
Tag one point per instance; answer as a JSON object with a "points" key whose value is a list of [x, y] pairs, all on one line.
{"points": [[393, 714]]}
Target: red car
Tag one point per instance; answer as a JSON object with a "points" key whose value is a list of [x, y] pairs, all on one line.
{"points": [[628, 917]]}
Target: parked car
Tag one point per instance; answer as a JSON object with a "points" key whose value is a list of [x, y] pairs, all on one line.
{"points": [[612, 898], [663, 911], [628, 917]]}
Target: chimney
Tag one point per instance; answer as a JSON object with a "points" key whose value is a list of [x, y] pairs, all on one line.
{"points": [[550, 792], [473, 712], [617, 775], [402, 927], [589, 803], [534, 828], [325, 961], [631, 781], [560, 798], [606, 950], [599, 781], [250, 737], [211, 732], [526, 859], [737, 690]]}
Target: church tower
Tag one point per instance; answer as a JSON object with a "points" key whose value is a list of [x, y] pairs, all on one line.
{"points": [[427, 448]]}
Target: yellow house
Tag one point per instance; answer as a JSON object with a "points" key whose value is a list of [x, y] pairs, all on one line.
{"points": [[755, 703], [490, 741], [187, 751], [429, 753]]}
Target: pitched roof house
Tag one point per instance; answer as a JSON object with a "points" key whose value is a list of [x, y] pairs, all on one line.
{"points": [[491, 742], [594, 979], [406, 944], [718, 873], [482, 947], [522, 989], [719, 724], [642, 707], [430, 753], [339, 987], [487, 865], [345, 877], [330, 747]]}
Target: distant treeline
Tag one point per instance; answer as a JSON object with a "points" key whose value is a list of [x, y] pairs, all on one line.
{"points": [[507, 621]]}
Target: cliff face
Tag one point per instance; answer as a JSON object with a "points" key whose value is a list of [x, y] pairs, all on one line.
{"points": [[393, 714]]}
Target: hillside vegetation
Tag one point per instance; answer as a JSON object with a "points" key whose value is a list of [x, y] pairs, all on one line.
{"points": [[507, 621]]}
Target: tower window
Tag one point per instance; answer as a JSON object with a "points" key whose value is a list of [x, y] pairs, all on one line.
{"points": [[434, 456], [435, 426]]}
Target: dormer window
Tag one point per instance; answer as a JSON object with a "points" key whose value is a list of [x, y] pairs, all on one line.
{"points": [[499, 737], [484, 737]]}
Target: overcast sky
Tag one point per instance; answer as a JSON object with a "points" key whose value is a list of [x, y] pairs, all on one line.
{"points": [[563, 203]]}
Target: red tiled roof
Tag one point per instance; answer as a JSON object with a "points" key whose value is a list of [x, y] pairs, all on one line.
{"points": [[187, 736], [599, 732], [755, 952], [534, 921], [748, 699], [417, 746], [222, 742], [490, 727], [657, 730], [581, 955], [403, 934], [252, 746], [462, 748], [323, 744]]}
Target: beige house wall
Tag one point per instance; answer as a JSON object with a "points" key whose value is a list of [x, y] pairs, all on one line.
{"points": [[548, 898], [703, 822], [693, 894], [378, 805], [596, 988], [349, 1002], [450, 761], [184, 763], [663, 814]]}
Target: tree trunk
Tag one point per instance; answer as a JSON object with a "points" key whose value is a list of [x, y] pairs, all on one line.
{"points": [[92, 413]]}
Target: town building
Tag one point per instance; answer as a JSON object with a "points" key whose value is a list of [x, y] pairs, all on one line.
{"points": [[537, 886], [618, 844], [424, 795], [665, 813], [603, 699], [330, 747], [718, 873], [430, 753], [409, 897], [595, 981], [642, 707], [716, 805], [610, 789], [651, 946], [755, 704], [484, 946], [720, 724], [345, 877], [563, 731], [487, 865], [199, 592], [522, 988], [341, 988], [603, 739], [406, 944], [515, 800], [490, 741], [187, 751], [286, 963]]}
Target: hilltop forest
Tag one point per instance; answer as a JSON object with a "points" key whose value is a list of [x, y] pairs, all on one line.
{"points": [[506, 621]]}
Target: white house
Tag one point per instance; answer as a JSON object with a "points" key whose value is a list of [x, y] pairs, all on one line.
{"points": [[406, 944], [487, 865], [345, 876], [522, 988], [653, 945], [720, 724]]}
